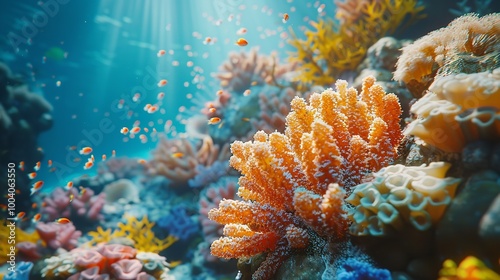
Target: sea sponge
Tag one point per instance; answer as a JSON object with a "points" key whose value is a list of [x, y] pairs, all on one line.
{"points": [[469, 44], [399, 195], [443, 120]]}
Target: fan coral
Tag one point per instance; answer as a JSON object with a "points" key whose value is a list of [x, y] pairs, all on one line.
{"points": [[338, 138], [333, 48], [179, 223], [177, 159], [457, 110], [138, 231], [470, 268], [469, 44], [398, 195], [244, 70]]}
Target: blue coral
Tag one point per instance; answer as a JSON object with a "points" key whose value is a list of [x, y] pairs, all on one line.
{"points": [[22, 272], [178, 223], [208, 174], [354, 269]]}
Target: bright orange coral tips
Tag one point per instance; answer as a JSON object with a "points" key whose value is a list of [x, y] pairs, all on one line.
{"points": [[241, 42]]}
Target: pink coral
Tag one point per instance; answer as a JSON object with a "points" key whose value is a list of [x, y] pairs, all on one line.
{"points": [[86, 205], [58, 235], [126, 269]]}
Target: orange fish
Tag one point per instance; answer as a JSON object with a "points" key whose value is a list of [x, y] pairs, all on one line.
{"points": [[92, 158], [103, 157], [162, 83], [212, 110], [88, 165], [135, 130], [241, 42], [21, 165], [245, 119], [21, 215], [219, 93], [153, 109], [136, 97], [85, 151], [124, 130], [177, 155], [214, 120], [37, 166], [207, 41], [36, 187], [34, 205], [32, 175], [69, 185], [161, 53], [113, 153], [254, 83], [36, 218], [141, 161], [160, 96], [63, 221], [285, 17], [247, 92], [49, 163]]}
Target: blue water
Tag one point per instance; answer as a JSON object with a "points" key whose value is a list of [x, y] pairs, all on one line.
{"points": [[110, 54]]}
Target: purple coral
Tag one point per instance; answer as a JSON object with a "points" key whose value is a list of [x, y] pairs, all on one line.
{"points": [[208, 174], [178, 223], [58, 235]]}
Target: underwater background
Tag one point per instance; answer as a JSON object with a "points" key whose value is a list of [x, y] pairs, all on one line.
{"points": [[235, 139]]}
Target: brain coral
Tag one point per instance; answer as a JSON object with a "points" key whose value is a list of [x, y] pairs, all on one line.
{"points": [[458, 108], [469, 44]]}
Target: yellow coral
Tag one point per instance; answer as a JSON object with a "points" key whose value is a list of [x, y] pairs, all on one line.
{"points": [[138, 231], [21, 236], [471, 268], [331, 48]]}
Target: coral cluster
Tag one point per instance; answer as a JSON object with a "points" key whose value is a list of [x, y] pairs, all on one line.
{"points": [[470, 268], [458, 109], [469, 44], [400, 195], [106, 261], [292, 183], [332, 48]]}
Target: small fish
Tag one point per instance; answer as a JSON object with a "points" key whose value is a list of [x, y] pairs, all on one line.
{"points": [[36, 187], [21, 215], [69, 185], [136, 97], [72, 148], [230, 17], [161, 53], [285, 17], [207, 41], [53, 169], [147, 106], [63, 221], [85, 151], [49, 163], [77, 159], [177, 155], [245, 119], [71, 197], [36, 218], [214, 120], [32, 175], [92, 158], [21, 165], [82, 190], [141, 161], [247, 92], [37, 166], [219, 93], [160, 96], [135, 130], [241, 42], [103, 157], [124, 130], [34, 205], [44, 204], [153, 109], [113, 153], [212, 110], [88, 165], [241, 31], [254, 83], [162, 83]]}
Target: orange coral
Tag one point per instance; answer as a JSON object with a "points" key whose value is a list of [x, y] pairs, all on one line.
{"points": [[292, 182], [177, 159]]}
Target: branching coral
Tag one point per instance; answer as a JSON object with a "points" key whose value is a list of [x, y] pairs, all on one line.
{"points": [[332, 48], [400, 195], [469, 44], [290, 182], [458, 109], [138, 231], [177, 159]]}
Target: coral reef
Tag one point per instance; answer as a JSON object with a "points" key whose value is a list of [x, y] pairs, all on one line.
{"points": [[400, 195], [84, 208], [121, 190], [21, 237], [470, 268], [288, 179], [333, 48], [139, 232], [106, 261], [120, 167], [458, 109], [178, 223], [469, 44], [22, 272]]}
